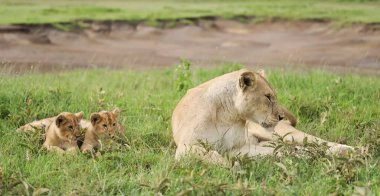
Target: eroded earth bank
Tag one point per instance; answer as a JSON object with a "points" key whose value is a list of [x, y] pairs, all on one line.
{"points": [[206, 42]]}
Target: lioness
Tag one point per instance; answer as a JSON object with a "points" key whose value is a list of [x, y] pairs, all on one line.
{"points": [[233, 113], [62, 133], [102, 126]]}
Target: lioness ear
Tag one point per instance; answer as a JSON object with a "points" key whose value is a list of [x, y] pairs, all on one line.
{"points": [[116, 112], [247, 79], [261, 72], [79, 115], [60, 120], [95, 117]]}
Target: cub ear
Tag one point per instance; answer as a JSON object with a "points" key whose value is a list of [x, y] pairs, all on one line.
{"points": [[60, 120], [247, 79], [95, 117], [116, 112], [79, 115], [261, 72]]}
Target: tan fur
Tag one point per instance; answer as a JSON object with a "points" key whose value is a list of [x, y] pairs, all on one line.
{"points": [[287, 115], [36, 125], [102, 126], [62, 133], [284, 113], [233, 113]]}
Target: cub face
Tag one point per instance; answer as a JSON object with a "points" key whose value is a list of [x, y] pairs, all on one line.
{"points": [[68, 125], [105, 123], [256, 100]]}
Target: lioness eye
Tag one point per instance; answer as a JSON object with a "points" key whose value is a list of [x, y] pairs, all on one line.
{"points": [[104, 125], [268, 97], [114, 124]]}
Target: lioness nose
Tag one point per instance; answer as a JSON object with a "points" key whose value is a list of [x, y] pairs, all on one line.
{"points": [[280, 117]]}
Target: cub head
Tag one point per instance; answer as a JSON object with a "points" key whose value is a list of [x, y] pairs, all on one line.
{"points": [[68, 125], [256, 100], [105, 122]]}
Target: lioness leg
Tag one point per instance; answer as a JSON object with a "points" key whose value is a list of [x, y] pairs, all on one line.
{"points": [[294, 135], [283, 128], [297, 136], [291, 134]]}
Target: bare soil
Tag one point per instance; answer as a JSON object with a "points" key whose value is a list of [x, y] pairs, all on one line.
{"points": [[206, 43]]}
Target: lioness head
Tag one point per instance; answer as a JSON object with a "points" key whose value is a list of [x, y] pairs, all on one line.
{"points": [[105, 122], [256, 100], [68, 125]]}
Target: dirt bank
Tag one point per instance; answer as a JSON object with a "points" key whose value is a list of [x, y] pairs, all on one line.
{"points": [[206, 42]]}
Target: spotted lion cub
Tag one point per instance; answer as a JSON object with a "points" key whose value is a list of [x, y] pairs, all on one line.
{"points": [[103, 126], [61, 131]]}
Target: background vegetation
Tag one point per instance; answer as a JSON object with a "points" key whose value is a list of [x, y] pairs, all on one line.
{"points": [[46, 11]]}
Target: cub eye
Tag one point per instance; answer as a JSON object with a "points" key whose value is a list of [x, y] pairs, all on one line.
{"points": [[71, 127], [104, 125], [114, 124]]}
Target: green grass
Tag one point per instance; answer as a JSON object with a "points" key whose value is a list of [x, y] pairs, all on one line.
{"points": [[349, 103], [47, 11]]}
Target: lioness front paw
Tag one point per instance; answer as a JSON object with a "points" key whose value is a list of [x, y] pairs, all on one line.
{"points": [[340, 150], [216, 158]]}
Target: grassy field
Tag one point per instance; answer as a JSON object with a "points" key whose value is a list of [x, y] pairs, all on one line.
{"points": [[46, 11], [342, 108]]}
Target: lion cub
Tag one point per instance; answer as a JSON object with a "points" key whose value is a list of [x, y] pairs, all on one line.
{"points": [[62, 134], [103, 126], [61, 131]]}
